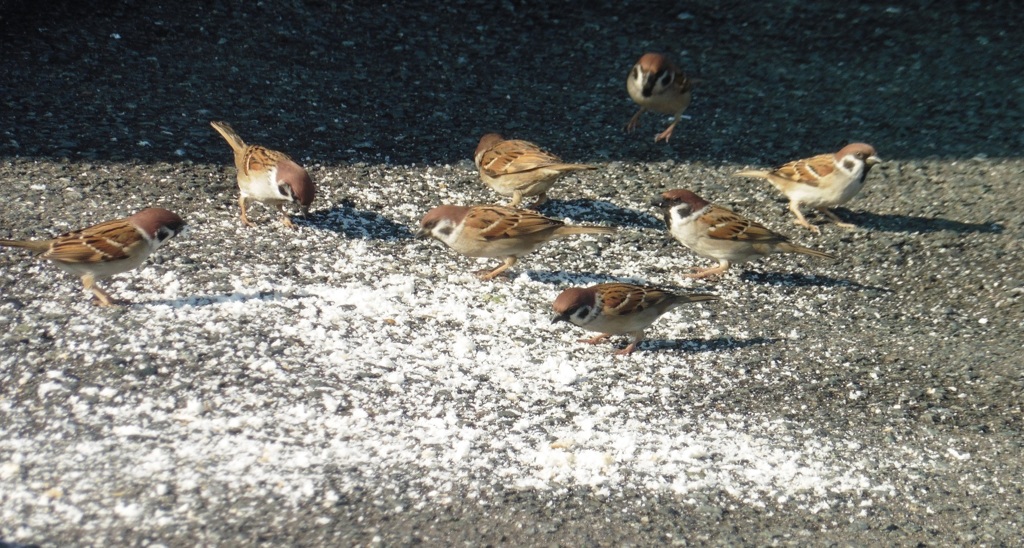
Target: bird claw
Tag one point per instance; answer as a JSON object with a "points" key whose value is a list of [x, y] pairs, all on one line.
{"points": [[808, 226]]}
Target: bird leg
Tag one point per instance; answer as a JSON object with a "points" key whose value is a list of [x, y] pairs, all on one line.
{"points": [[664, 135], [494, 273], [285, 218], [241, 205], [835, 218], [637, 337], [517, 198], [713, 271], [800, 220], [89, 281], [595, 340], [541, 198], [631, 125]]}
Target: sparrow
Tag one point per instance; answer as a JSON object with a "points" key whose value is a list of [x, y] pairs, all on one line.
{"points": [[267, 176], [656, 83], [824, 181], [496, 231], [617, 309], [108, 248], [717, 233], [519, 168]]}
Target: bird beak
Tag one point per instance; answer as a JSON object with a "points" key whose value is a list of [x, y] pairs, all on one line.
{"points": [[872, 160], [560, 318], [422, 233]]}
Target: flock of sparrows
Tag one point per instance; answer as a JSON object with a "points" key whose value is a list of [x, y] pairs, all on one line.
{"points": [[516, 169]]}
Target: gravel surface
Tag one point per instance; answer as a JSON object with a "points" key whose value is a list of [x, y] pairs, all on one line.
{"points": [[344, 384]]}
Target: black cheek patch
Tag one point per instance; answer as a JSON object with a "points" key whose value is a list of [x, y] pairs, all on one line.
{"points": [[849, 165], [446, 231]]}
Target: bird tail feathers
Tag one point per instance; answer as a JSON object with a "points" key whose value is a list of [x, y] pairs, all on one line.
{"points": [[792, 248], [230, 135]]}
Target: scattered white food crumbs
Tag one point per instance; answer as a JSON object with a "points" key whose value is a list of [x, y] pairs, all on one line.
{"points": [[463, 347], [958, 455], [47, 387]]}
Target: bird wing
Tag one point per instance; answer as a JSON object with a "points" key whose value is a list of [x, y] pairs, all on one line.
{"points": [[109, 241], [497, 223], [726, 225], [808, 171], [260, 159], [515, 156], [620, 299]]}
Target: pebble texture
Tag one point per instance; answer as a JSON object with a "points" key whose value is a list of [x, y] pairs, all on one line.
{"points": [[344, 384]]}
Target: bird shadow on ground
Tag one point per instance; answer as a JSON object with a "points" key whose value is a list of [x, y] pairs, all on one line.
{"points": [[5, 544], [600, 211], [790, 279], [346, 219], [575, 278], [909, 223], [205, 300], [564, 277], [703, 345]]}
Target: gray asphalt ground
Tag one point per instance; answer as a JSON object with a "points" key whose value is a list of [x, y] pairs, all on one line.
{"points": [[876, 400]]}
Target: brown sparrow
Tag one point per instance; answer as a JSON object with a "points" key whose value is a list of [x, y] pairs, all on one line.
{"points": [[519, 168], [495, 231], [617, 309], [267, 176], [657, 84], [108, 248], [824, 181], [717, 233]]}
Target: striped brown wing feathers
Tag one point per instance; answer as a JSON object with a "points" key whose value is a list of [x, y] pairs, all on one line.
{"points": [[258, 159], [515, 156], [726, 225], [620, 299], [109, 241], [808, 171], [496, 222], [683, 83]]}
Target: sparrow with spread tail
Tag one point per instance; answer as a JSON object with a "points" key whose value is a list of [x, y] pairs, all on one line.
{"points": [[717, 233], [267, 176], [618, 309], [520, 168], [821, 182], [495, 231], [108, 248], [656, 83]]}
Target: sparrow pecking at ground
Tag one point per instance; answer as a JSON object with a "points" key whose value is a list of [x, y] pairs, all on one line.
{"points": [[267, 176], [717, 233], [824, 181], [656, 83], [520, 168], [618, 309], [496, 231], [108, 248]]}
